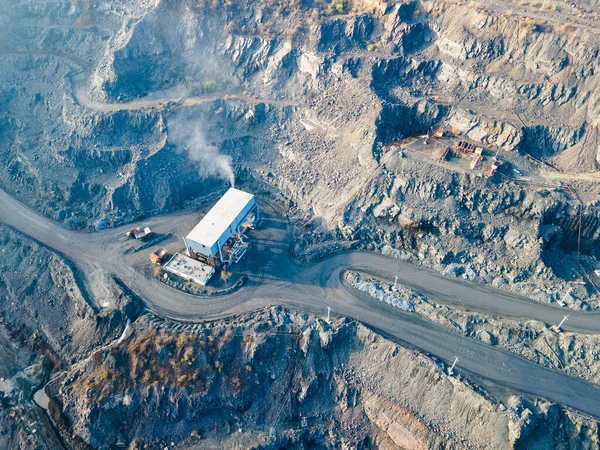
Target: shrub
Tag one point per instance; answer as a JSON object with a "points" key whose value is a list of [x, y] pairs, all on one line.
{"points": [[568, 28], [236, 384], [225, 275]]}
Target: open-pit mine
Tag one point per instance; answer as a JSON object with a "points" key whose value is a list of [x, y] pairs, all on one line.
{"points": [[299, 224]]}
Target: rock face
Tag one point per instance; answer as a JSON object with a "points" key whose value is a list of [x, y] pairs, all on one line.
{"points": [[463, 225], [318, 101], [281, 375], [41, 301], [307, 98], [574, 353], [45, 324]]}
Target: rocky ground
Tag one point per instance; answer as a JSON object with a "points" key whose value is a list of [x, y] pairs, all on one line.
{"points": [[22, 371], [270, 379], [275, 379], [46, 325], [575, 353], [114, 110], [135, 116]]}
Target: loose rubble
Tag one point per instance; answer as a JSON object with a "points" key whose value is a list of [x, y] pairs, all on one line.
{"points": [[576, 353], [398, 298], [276, 378], [328, 109], [332, 106]]}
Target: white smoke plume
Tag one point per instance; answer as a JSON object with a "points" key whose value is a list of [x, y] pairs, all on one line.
{"points": [[187, 135]]}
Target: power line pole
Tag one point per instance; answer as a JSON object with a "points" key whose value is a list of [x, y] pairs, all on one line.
{"points": [[561, 322], [328, 315], [453, 365], [565, 296]]}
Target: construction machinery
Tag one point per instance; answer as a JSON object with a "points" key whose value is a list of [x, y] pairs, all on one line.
{"points": [[132, 232], [139, 233], [158, 256]]}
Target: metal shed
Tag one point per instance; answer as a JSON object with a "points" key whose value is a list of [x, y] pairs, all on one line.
{"points": [[212, 232]]}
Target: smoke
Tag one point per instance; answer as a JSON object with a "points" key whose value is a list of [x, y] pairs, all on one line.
{"points": [[186, 134], [192, 65]]}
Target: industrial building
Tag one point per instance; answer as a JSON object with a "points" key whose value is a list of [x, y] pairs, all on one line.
{"points": [[218, 237], [189, 269]]}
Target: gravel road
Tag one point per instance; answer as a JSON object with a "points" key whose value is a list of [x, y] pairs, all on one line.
{"points": [[275, 279]]}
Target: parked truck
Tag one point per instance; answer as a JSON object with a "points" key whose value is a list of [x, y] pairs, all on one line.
{"points": [[139, 233], [158, 256]]}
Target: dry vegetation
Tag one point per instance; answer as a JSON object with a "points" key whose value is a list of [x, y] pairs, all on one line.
{"points": [[238, 379], [181, 360]]}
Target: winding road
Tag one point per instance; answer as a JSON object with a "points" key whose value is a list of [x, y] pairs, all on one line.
{"points": [[274, 279]]}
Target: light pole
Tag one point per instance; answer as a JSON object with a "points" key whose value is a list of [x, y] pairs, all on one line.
{"points": [[453, 364], [561, 322]]}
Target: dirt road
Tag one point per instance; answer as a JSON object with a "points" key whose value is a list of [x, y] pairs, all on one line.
{"points": [[178, 96], [274, 279]]}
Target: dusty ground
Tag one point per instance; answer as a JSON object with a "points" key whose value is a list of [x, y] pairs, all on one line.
{"points": [[275, 379], [210, 368], [45, 326], [575, 353], [114, 111], [309, 104]]}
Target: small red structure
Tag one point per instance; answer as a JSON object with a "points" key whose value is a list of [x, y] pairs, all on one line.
{"points": [[465, 147], [494, 167], [139, 233]]}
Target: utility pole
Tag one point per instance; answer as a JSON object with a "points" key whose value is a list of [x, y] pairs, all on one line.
{"points": [[328, 315], [395, 281], [562, 302], [451, 369], [561, 322]]}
